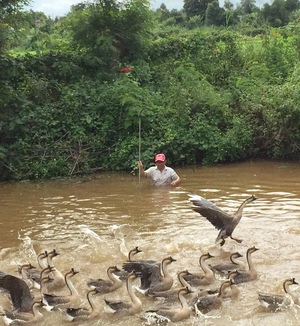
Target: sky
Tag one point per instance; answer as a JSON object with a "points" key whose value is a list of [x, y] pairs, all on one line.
{"points": [[54, 8]]}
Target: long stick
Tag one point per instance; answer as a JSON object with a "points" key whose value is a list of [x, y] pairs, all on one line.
{"points": [[140, 130]]}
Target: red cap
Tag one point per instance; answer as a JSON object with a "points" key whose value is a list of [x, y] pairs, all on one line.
{"points": [[160, 157]]}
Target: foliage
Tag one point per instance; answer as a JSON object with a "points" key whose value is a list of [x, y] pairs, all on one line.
{"points": [[9, 19], [202, 91]]}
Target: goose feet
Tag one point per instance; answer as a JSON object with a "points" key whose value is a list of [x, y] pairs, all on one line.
{"points": [[222, 242], [237, 240]]}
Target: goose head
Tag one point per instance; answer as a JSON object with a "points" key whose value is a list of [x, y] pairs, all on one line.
{"points": [[54, 253]]}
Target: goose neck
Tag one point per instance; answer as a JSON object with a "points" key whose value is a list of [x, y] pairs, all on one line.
{"points": [[70, 285], [182, 299], [40, 259], [131, 292], [239, 212], [164, 268], [91, 301], [249, 261], [181, 279], [204, 265]]}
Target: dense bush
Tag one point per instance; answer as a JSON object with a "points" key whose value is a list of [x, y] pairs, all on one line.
{"points": [[202, 97]]}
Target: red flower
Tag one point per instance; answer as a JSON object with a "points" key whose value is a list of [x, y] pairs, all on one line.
{"points": [[126, 70]]}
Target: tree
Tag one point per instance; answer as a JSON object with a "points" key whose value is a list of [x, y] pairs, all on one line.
{"points": [[247, 6], [9, 19], [276, 13], [215, 15], [196, 7], [114, 32]]}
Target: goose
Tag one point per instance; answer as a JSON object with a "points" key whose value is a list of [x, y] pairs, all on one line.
{"points": [[172, 294], [167, 314], [19, 292], [232, 291], [32, 275], [63, 300], [133, 252], [59, 279], [222, 268], [125, 307], [204, 278], [106, 286], [19, 318], [75, 314], [24, 271], [210, 302], [41, 259], [154, 276], [44, 281], [123, 274], [218, 218], [277, 301], [251, 274]]}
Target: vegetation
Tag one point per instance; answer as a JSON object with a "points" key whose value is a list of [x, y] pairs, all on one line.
{"points": [[208, 85]]}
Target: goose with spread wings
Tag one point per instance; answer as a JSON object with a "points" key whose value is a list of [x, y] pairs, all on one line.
{"points": [[221, 220]]}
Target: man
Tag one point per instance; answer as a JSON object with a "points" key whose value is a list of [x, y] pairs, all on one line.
{"points": [[161, 175]]}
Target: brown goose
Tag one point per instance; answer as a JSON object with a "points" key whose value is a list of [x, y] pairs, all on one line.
{"points": [[251, 274], [171, 295], [167, 314], [20, 318], [219, 219], [24, 271], [133, 252], [223, 268], [33, 274], [277, 301], [204, 278], [59, 279], [210, 302], [106, 286], [44, 281], [232, 291], [125, 307], [63, 300], [154, 276], [123, 274], [77, 314]]}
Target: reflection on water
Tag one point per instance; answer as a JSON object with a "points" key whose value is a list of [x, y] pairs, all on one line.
{"points": [[93, 222]]}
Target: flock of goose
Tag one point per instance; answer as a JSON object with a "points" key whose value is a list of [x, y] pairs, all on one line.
{"points": [[198, 292]]}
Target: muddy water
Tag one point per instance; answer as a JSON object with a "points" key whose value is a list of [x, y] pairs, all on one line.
{"points": [[93, 222]]}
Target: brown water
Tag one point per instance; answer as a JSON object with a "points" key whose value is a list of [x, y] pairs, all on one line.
{"points": [[93, 222]]}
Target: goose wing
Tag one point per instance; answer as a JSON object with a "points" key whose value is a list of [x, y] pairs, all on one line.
{"points": [[272, 301], [118, 305], [53, 300], [18, 290], [148, 273], [98, 282], [210, 211]]}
